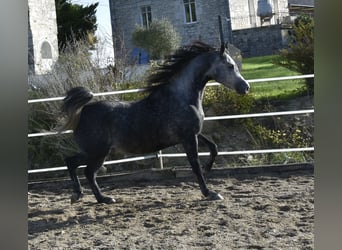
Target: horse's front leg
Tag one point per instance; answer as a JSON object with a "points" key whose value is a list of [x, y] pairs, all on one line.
{"points": [[213, 151], [190, 145]]}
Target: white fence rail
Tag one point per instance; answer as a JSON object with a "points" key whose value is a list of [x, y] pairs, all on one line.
{"points": [[160, 155], [119, 92]]}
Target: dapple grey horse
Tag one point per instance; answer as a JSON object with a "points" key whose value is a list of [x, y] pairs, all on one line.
{"points": [[171, 114]]}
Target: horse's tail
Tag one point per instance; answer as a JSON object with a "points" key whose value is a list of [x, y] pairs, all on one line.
{"points": [[75, 100]]}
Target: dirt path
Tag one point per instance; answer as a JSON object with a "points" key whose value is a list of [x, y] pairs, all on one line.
{"points": [[273, 211]]}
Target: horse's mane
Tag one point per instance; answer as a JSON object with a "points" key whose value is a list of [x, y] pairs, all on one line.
{"points": [[175, 62]]}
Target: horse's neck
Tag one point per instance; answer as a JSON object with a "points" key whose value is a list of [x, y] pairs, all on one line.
{"points": [[189, 85]]}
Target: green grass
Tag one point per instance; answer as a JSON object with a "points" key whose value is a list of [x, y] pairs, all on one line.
{"points": [[263, 67]]}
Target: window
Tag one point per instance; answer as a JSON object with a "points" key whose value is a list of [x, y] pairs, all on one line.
{"points": [[146, 16], [190, 11], [45, 51]]}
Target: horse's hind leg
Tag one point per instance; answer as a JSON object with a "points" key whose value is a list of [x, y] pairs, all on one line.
{"points": [[213, 151], [90, 172], [73, 163]]}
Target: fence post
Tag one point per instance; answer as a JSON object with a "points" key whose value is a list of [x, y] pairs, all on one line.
{"points": [[160, 157]]}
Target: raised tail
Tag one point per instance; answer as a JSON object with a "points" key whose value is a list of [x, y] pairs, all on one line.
{"points": [[73, 103]]}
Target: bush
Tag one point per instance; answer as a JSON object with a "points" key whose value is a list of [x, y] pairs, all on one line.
{"points": [[227, 102], [300, 54], [284, 136], [160, 39], [266, 132]]}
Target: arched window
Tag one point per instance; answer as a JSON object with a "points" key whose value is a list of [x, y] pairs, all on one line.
{"points": [[45, 51]]}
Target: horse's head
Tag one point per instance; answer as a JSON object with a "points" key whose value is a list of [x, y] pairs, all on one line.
{"points": [[225, 71]]}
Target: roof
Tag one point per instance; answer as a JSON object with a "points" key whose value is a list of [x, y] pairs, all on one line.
{"points": [[308, 3]]}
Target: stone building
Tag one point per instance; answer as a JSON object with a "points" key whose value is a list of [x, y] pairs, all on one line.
{"points": [[193, 19], [301, 7], [42, 36]]}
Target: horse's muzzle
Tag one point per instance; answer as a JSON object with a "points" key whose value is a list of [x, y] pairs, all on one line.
{"points": [[243, 88]]}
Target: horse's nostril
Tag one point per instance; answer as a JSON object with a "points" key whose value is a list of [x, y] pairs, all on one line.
{"points": [[247, 88]]}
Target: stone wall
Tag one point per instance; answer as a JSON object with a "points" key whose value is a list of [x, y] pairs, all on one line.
{"points": [[260, 41], [42, 36]]}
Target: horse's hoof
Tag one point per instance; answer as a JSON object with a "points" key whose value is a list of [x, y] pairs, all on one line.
{"points": [[107, 200], [214, 196], [76, 197]]}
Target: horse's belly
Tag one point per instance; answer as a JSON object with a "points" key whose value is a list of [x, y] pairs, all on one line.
{"points": [[148, 132], [143, 144]]}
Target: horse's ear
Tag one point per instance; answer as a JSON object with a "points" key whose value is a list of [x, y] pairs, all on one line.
{"points": [[223, 47]]}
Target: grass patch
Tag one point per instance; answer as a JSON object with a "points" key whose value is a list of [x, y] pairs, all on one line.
{"points": [[264, 67], [278, 90]]}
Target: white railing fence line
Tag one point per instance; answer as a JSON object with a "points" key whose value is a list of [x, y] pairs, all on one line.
{"points": [[174, 155], [119, 92], [160, 155], [209, 118]]}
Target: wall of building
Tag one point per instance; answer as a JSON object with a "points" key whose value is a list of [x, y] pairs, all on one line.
{"points": [[260, 41], [126, 14], [244, 13], [42, 36]]}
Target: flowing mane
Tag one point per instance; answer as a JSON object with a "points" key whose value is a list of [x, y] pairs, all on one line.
{"points": [[174, 63]]}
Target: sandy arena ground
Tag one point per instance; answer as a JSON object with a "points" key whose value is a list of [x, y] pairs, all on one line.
{"points": [[266, 210]]}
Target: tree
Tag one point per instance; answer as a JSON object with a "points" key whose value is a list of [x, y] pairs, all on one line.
{"points": [[299, 56], [75, 22], [160, 39]]}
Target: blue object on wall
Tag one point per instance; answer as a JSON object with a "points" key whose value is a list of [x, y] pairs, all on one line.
{"points": [[140, 56]]}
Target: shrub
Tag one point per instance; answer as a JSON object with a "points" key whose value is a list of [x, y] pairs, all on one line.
{"points": [[282, 137], [160, 39], [227, 102], [299, 56]]}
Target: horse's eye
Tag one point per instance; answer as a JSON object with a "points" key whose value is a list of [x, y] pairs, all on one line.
{"points": [[230, 66]]}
